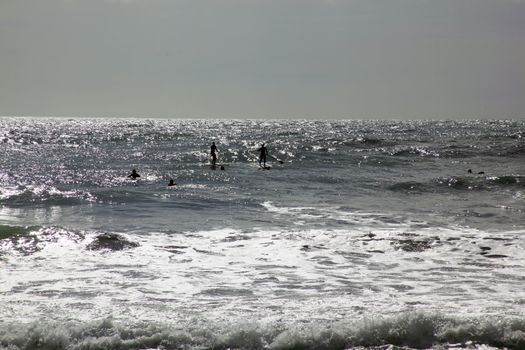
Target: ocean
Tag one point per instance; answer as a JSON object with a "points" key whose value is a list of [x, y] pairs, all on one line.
{"points": [[362, 235]]}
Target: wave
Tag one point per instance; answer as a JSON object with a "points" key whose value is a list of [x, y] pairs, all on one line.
{"points": [[447, 150], [409, 186], [410, 331], [9, 232], [404, 151], [514, 150], [509, 180], [363, 141], [29, 240], [23, 195], [483, 183], [111, 241], [470, 183]]}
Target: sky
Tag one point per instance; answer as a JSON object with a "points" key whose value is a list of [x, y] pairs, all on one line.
{"points": [[340, 59]]}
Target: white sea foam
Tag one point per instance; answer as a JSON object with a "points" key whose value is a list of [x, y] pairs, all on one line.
{"points": [[331, 274]]}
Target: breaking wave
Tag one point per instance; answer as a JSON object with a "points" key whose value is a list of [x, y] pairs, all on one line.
{"points": [[29, 240], [415, 330]]}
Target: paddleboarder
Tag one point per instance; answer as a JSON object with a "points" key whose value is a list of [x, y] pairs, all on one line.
{"points": [[263, 152], [213, 151]]}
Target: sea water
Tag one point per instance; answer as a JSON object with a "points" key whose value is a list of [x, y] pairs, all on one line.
{"points": [[363, 234]]}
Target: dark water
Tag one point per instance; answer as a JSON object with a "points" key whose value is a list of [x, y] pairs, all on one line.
{"points": [[363, 233]]}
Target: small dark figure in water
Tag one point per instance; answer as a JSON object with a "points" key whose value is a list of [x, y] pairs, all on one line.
{"points": [[172, 183], [263, 151], [213, 154], [222, 167], [134, 174], [469, 171], [479, 172]]}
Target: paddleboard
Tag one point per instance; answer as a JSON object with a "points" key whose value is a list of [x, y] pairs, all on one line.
{"points": [[217, 165]]}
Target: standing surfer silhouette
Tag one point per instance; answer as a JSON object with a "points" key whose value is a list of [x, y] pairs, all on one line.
{"points": [[213, 150], [263, 152]]}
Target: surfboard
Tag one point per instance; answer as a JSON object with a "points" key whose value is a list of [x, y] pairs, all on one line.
{"points": [[265, 167], [217, 165]]}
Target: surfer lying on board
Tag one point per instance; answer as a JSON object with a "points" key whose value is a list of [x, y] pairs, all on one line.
{"points": [[213, 154], [134, 174], [263, 151]]}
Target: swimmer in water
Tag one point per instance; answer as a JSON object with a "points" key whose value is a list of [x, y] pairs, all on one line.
{"points": [[134, 174]]}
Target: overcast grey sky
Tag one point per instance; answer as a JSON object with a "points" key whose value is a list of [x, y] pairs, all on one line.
{"points": [[263, 58]]}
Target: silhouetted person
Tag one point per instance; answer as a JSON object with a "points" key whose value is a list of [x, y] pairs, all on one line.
{"points": [[263, 152], [134, 174], [172, 183], [213, 154], [479, 172], [222, 167]]}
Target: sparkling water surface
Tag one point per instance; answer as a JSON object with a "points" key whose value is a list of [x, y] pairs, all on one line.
{"points": [[363, 233]]}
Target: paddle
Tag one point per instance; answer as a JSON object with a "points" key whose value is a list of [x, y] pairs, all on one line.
{"points": [[277, 159], [254, 158]]}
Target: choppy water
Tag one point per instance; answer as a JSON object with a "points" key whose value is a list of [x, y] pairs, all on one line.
{"points": [[369, 233]]}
